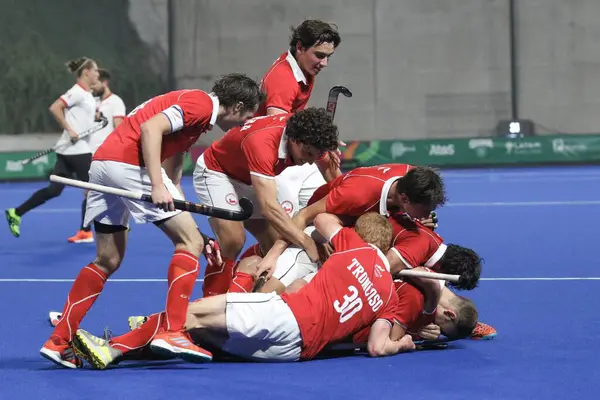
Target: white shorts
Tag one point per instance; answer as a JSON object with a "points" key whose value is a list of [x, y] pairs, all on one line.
{"points": [[218, 190], [261, 327], [296, 185], [114, 210], [294, 263]]}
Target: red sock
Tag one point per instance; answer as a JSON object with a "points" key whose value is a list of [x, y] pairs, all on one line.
{"points": [[217, 278], [83, 294], [183, 272], [241, 283], [139, 337]]}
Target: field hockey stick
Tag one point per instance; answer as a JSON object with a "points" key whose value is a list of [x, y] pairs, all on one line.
{"points": [[438, 344], [409, 273], [83, 134], [260, 282], [245, 204], [332, 99]]}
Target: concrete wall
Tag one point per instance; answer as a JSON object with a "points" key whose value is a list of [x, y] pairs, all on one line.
{"points": [[417, 68]]}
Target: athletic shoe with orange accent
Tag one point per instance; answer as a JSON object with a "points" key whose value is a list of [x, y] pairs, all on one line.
{"points": [[61, 353], [82, 237], [179, 344], [54, 318], [483, 331]]}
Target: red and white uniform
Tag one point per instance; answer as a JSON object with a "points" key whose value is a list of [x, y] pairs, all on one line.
{"points": [[288, 90], [409, 312], [361, 190], [119, 163], [112, 107], [258, 148], [415, 244], [353, 289], [286, 86]]}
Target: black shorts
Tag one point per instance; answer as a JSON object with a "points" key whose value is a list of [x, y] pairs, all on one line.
{"points": [[74, 164]]}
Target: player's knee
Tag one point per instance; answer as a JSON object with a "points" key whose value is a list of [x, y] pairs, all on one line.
{"points": [[54, 190], [108, 263], [194, 242], [232, 243], [249, 265]]}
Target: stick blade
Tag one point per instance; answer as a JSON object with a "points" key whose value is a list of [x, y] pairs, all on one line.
{"points": [[336, 90]]}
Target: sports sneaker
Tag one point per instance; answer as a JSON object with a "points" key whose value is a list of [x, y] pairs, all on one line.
{"points": [[82, 237], [14, 222], [54, 318], [483, 331], [179, 344], [136, 321], [61, 353], [97, 351]]}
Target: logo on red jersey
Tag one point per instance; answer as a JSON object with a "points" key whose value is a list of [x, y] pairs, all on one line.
{"points": [[287, 206], [231, 199]]}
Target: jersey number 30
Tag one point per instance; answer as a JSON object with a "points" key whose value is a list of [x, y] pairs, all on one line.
{"points": [[350, 306]]}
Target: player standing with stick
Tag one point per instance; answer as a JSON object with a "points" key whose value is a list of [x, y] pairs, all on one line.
{"points": [[75, 112], [288, 85], [130, 159]]}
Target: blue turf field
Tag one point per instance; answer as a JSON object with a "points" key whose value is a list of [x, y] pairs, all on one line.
{"points": [[527, 223]]}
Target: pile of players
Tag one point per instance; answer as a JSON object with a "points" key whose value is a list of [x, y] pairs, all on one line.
{"points": [[329, 244]]}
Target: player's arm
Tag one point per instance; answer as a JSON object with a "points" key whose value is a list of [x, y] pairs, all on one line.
{"points": [[275, 111], [305, 216], [327, 225], [57, 109], [266, 192], [152, 132], [329, 167], [173, 167], [381, 342]]}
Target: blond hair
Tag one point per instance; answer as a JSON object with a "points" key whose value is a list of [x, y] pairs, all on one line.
{"points": [[375, 229], [466, 316]]}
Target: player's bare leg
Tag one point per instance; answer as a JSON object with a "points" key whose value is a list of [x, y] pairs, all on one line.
{"points": [[264, 233], [231, 237], [245, 275], [208, 313], [110, 250], [272, 285], [172, 340]]}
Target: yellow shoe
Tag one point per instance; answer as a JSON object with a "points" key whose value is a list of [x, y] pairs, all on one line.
{"points": [[82, 237]]}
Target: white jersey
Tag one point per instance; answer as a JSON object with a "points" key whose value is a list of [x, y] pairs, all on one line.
{"points": [[80, 114], [296, 185], [111, 107]]}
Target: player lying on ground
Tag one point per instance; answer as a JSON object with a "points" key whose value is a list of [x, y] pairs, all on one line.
{"points": [[353, 290], [75, 112], [130, 158], [245, 162]]}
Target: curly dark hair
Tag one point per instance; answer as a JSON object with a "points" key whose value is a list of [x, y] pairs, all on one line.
{"points": [[423, 185], [313, 32], [458, 260], [313, 127], [235, 88]]}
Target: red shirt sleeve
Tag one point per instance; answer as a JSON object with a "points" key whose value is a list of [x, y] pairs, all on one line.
{"points": [[281, 90], [348, 198], [347, 239], [261, 155], [191, 108]]}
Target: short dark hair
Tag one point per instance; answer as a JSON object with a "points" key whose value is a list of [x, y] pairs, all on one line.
{"points": [[235, 88], [313, 32], [458, 260], [103, 74], [423, 185], [466, 318], [77, 66], [313, 127]]}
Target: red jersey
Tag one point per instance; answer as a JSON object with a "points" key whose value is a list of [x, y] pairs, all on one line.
{"points": [[257, 148], [286, 86], [361, 190], [190, 113], [415, 244], [352, 289], [409, 312]]}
